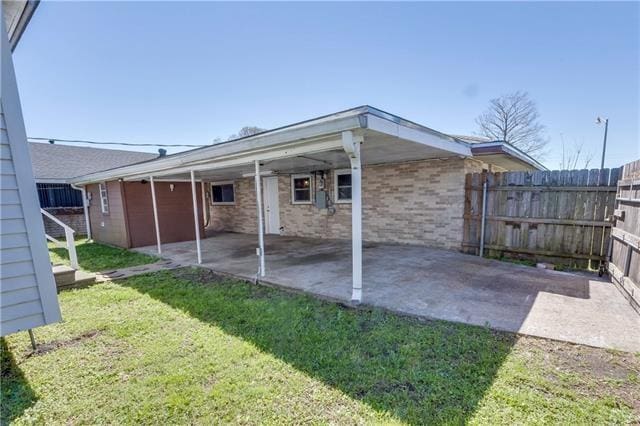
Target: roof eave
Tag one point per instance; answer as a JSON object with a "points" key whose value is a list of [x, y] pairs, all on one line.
{"points": [[499, 147], [18, 16], [306, 132]]}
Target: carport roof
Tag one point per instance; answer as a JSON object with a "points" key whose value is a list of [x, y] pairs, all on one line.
{"points": [[388, 138]]}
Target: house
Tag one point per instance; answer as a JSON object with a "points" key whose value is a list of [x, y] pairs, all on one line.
{"points": [[27, 288], [54, 164], [359, 174]]}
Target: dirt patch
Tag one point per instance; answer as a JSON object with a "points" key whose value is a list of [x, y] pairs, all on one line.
{"points": [[198, 275], [57, 344], [610, 373]]}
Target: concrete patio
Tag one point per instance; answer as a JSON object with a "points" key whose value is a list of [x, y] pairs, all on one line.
{"points": [[434, 284]]}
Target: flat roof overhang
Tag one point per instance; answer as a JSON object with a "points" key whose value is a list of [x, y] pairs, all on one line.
{"points": [[504, 155], [311, 145]]}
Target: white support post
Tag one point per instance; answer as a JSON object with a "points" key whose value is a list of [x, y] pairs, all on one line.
{"points": [[351, 146], [195, 215], [155, 214], [71, 247], [260, 219], [85, 207]]}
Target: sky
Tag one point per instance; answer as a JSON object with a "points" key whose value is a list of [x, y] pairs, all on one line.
{"points": [[187, 73]]}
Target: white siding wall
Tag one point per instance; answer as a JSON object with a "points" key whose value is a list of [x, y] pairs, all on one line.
{"points": [[27, 289]]}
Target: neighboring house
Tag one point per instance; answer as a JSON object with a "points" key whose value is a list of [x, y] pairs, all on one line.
{"points": [[359, 174], [55, 164], [27, 288]]}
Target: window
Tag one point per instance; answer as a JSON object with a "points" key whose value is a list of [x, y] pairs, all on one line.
{"points": [[222, 193], [104, 198], [301, 187], [58, 195], [342, 179]]}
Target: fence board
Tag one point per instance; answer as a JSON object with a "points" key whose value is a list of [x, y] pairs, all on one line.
{"points": [[559, 215], [624, 249]]}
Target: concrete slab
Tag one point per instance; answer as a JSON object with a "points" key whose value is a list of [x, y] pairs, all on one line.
{"points": [[431, 283]]}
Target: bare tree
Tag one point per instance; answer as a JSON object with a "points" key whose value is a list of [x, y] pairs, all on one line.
{"points": [[575, 157], [244, 132], [247, 131], [513, 118]]}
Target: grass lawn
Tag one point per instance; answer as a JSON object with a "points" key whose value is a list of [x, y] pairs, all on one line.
{"points": [[96, 257], [188, 347]]}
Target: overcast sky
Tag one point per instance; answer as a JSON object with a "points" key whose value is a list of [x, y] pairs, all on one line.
{"points": [[165, 72]]}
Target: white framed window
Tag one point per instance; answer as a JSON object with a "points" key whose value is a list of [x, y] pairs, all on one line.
{"points": [[342, 185], [223, 193], [301, 189], [104, 197]]}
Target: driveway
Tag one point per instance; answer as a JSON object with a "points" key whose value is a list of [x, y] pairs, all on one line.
{"points": [[432, 283]]}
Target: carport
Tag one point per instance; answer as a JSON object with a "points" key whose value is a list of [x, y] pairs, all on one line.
{"points": [[346, 140], [431, 283]]}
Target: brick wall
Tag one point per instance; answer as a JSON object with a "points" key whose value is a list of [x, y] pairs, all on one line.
{"points": [[73, 217], [419, 202]]}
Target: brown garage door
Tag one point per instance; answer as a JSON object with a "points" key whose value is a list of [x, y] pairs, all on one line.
{"points": [[175, 212]]}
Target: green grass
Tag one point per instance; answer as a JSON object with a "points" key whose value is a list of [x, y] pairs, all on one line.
{"points": [[96, 257], [189, 347]]}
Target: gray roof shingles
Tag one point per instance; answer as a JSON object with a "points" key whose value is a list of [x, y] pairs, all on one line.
{"points": [[61, 162]]}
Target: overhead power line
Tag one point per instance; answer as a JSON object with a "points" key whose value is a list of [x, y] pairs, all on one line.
{"points": [[53, 140]]}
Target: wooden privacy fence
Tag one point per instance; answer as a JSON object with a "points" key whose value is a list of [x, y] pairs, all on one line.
{"points": [[624, 265], [558, 216]]}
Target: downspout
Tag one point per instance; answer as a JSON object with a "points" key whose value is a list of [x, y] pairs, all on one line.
{"points": [[85, 207]]}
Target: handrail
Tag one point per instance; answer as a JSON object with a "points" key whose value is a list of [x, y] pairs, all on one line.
{"points": [[68, 235]]}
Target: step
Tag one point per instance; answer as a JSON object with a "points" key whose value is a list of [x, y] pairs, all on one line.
{"points": [[63, 274], [67, 277]]}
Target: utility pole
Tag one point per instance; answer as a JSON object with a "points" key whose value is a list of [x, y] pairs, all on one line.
{"points": [[604, 143]]}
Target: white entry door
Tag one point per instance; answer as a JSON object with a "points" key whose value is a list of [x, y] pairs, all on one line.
{"points": [[271, 205]]}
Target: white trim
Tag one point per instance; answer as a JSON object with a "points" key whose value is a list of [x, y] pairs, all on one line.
{"points": [[311, 185], [104, 198], [223, 203], [196, 223], [336, 173]]}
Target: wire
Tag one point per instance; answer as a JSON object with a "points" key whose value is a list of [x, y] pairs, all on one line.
{"points": [[50, 140]]}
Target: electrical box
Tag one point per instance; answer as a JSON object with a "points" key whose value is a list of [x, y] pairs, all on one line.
{"points": [[321, 199]]}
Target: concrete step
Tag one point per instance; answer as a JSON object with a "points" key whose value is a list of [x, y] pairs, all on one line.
{"points": [[67, 277], [63, 274]]}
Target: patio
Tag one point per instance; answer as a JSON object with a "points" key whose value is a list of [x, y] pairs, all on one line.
{"points": [[431, 283]]}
